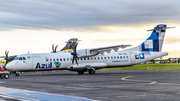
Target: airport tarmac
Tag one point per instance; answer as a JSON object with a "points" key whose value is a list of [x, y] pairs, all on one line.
{"points": [[105, 85]]}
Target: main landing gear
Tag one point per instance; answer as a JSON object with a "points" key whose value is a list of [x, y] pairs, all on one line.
{"points": [[89, 69]]}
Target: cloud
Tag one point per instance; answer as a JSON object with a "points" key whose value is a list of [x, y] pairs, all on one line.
{"points": [[84, 14]]}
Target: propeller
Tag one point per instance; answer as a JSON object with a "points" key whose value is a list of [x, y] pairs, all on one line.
{"points": [[54, 49], [6, 56], [74, 53]]}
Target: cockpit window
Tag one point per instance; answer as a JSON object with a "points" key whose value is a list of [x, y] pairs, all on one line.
{"points": [[20, 58], [17, 58], [24, 58]]}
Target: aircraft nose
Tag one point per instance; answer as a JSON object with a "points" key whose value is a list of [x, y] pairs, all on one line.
{"points": [[9, 66]]}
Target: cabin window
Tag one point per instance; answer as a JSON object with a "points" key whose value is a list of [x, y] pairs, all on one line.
{"points": [[64, 59], [60, 59], [91, 58], [88, 58], [84, 58], [57, 59], [117, 57], [50, 59], [114, 57], [108, 57], [46, 60], [111, 57], [20, 58], [127, 57], [71, 59], [67, 59], [94, 58], [124, 57], [53, 59], [120, 57], [102, 58], [98, 58], [81, 59]]}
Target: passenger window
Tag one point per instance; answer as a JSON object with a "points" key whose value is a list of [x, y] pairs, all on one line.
{"points": [[111, 57], [46, 60], [20, 58], [88, 58], [91, 58], [84, 58], [114, 57], [64, 59], [67, 59], [81, 59], [98, 58], [127, 57], [71, 59], [108, 57], [50, 59], [124, 57], [57, 59], [94, 58], [53, 59], [120, 57], [60, 59], [102, 58], [117, 57]]}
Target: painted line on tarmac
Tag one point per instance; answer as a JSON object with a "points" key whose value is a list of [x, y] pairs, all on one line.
{"points": [[125, 96], [38, 96]]}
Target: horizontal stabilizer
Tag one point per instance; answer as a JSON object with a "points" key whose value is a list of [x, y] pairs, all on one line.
{"points": [[160, 28]]}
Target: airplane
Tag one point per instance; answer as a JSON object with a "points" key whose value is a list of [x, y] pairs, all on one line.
{"points": [[90, 60]]}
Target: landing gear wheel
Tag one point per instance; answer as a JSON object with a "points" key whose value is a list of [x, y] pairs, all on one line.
{"points": [[81, 72], [2, 76], [91, 71], [6, 76], [17, 74]]}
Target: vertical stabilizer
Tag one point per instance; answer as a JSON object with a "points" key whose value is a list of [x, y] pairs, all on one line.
{"points": [[155, 42], [70, 45]]}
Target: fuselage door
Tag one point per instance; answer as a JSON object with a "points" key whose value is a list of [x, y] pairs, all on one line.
{"points": [[132, 57]]}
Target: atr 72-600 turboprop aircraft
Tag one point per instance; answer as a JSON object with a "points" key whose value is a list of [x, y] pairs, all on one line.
{"points": [[93, 59]]}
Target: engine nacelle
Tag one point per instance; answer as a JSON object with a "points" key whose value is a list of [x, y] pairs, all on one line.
{"points": [[86, 52]]}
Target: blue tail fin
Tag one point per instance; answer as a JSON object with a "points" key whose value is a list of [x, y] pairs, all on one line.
{"points": [[155, 41]]}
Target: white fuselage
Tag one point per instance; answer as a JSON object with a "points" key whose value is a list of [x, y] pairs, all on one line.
{"points": [[63, 61]]}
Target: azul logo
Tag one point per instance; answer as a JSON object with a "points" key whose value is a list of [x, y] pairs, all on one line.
{"points": [[44, 65], [57, 64], [140, 56]]}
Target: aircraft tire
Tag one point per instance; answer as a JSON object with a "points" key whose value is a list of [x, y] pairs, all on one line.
{"points": [[81, 72], [91, 71], [2, 76], [6, 76], [17, 74]]}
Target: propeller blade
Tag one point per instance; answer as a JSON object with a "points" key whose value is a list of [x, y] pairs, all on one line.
{"points": [[53, 47], [74, 55]]}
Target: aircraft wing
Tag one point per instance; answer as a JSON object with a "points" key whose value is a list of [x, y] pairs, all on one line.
{"points": [[108, 49]]}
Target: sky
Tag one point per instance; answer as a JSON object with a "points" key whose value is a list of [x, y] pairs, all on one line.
{"points": [[34, 25]]}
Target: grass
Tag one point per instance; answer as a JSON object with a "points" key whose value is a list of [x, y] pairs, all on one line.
{"points": [[168, 66]]}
